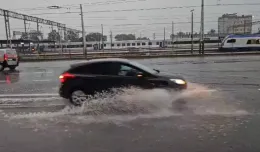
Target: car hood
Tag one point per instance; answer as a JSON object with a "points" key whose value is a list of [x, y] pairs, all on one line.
{"points": [[170, 76]]}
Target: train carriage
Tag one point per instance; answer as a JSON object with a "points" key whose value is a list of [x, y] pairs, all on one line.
{"points": [[241, 43]]}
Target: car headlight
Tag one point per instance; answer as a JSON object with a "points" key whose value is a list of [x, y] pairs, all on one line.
{"points": [[178, 81]]}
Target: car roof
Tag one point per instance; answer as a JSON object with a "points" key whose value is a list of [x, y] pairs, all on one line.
{"points": [[122, 60]]}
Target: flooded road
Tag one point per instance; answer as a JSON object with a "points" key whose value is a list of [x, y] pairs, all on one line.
{"points": [[220, 113]]}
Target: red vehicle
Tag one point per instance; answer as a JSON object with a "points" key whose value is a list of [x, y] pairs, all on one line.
{"points": [[8, 58]]}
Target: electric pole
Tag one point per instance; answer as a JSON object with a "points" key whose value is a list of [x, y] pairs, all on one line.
{"points": [[111, 40], [163, 36], [192, 31], [25, 28], [7, 28], [244, 26], [102, 37], [83, 32], [202, 26], [37, 23], [172, 35]]}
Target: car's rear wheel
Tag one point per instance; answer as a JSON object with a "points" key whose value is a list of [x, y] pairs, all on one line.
{"points": [[2, 67], [78, 97], [12, 67]]}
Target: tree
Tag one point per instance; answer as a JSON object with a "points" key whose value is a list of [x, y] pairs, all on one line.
{"points": [[143, 38], [180, 33], [172, 36], [32, 35], [94, 37], [24, 36], [212, 31], [121, 37], [54, 36], [72, 36]]}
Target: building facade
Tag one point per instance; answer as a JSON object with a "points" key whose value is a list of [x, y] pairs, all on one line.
{"points": [[234, 24]]}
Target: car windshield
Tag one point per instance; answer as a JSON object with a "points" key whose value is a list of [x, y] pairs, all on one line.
{"points": [[143, 67]]}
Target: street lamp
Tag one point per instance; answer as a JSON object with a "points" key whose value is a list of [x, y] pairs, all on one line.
{"points": [[192, 31]]}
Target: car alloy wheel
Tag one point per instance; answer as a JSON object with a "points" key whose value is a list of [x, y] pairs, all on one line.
{"points": [[78, 97]]}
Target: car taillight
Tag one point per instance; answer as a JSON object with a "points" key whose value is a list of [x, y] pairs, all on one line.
{"points": [[66, 76], [5, 57]]}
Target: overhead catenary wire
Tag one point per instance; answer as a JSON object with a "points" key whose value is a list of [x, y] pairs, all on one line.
{"points": [[152, 9], [166, 21], [75, 6]]}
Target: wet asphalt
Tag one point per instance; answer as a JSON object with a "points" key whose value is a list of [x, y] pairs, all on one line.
{"points": [[221, 112]]}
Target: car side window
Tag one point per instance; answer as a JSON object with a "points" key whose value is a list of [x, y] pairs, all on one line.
{"points": [[101, 69], [126, 70], [94, 68], [107, 68]]}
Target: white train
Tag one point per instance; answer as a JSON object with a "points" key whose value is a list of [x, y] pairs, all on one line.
{"points": [[130, 45], [249, 42]]}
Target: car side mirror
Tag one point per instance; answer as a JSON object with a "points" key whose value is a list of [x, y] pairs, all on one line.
{"points": [[156, 70]]}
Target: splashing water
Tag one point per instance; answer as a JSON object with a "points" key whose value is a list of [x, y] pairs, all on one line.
{"points": [[132, 103]]}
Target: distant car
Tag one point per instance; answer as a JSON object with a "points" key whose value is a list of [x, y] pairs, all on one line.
{"points": [[98, 75], [8, 59]]}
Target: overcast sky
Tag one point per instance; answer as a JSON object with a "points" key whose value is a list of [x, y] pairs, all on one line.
{"points": [[146, 22]]}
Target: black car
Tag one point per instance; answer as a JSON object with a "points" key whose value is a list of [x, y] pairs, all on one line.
{"points": [[99, 75]]}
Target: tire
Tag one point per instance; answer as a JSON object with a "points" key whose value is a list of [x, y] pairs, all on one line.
{"points": [[77, 97], [2, 67], [12, 67]]}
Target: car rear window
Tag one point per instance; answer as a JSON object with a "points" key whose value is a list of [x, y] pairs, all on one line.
{"points": [[104, 68], [11, 52], [78, 69]]}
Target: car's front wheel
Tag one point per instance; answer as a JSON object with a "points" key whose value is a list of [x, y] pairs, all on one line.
{"points": [[77, 97]]}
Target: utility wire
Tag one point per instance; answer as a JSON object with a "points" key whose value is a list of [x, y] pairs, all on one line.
{"points": [[77, 5], [151, 9]]}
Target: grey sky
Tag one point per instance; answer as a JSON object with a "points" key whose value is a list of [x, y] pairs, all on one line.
{"points": [[113, 20]]}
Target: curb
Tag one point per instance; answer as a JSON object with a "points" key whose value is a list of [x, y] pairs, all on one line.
{"points": [[145, 56]]}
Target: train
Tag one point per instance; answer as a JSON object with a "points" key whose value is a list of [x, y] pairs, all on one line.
{"points": [[249, 42], [229, 43], [130, 45]]}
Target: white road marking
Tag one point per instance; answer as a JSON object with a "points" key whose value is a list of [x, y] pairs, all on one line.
{"points": [[208, 90], [41, 80], [212, 90], [40, 72], [9, 105], [259, 89], [28, 106], [29, 95]]}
